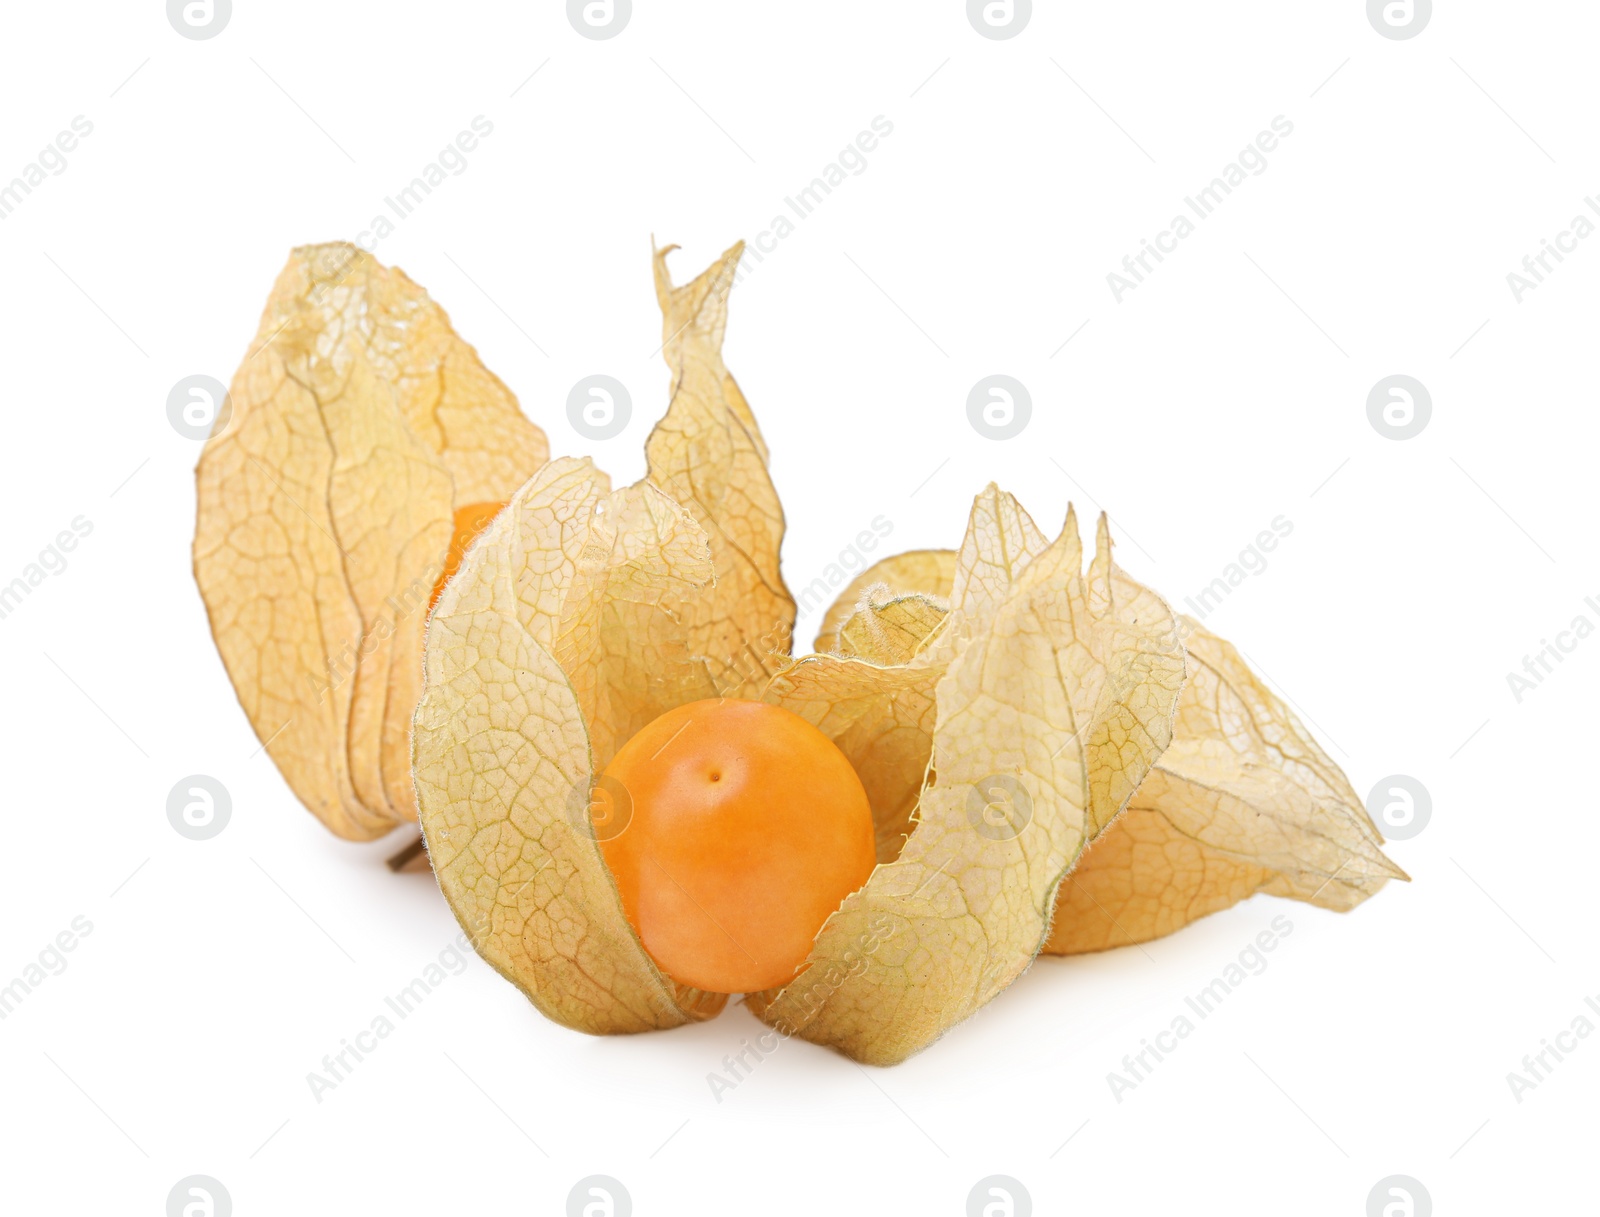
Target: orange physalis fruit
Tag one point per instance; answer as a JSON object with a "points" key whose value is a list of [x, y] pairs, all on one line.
{"points": [[733, 830]]}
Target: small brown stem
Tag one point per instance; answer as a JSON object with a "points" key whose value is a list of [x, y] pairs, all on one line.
{"points": [[413, 857]]}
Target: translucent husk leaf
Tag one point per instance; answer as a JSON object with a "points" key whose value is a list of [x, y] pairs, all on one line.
{"points": [[624, 635], [1001, 541], [708, 454], [576, 620], [891, 630], [929, 573], [564, 627], [359, 423], [390, 500], [1051, 684], [1242, 801], [883, 720]]}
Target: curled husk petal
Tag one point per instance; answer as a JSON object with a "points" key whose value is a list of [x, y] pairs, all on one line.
{"points": [[1242, 801], [870, 698], [927, 573], [359, 423], [570, 596], [708, 453], [1055, 697], [577, 619]]}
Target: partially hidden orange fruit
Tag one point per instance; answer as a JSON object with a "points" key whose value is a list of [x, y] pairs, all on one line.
{"points": [[469, 522], [733, 829]]}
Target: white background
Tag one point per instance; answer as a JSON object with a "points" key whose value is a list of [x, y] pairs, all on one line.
{"points": [[1227, 390]]}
